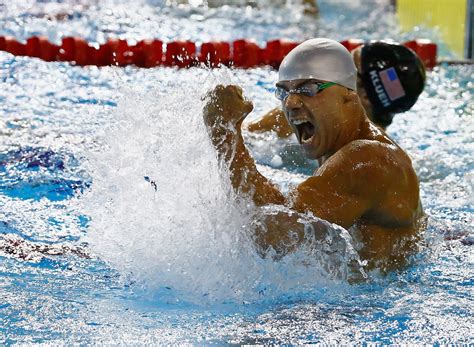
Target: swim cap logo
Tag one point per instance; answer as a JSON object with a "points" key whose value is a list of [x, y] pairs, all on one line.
{"points": [[391, 83], [374, 76]]}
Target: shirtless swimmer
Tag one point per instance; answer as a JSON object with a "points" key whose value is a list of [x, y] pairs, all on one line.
{"points": [[365, 181]]}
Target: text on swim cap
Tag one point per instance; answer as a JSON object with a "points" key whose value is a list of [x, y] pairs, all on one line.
{"points": [[374, 76]]}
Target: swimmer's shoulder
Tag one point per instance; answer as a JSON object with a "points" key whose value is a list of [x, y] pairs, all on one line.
{"points": [[363, 153], [364, 163]]}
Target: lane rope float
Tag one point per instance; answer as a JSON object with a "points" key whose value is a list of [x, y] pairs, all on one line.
{"points": [[242, 53]]}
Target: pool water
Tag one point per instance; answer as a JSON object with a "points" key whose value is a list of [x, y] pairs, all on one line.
{"points": [[79, 147]]}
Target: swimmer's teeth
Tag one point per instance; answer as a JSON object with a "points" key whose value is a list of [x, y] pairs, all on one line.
{"points": [[299, 121]]}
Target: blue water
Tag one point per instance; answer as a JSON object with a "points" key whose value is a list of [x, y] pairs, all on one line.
{"points": [[174, 265]]}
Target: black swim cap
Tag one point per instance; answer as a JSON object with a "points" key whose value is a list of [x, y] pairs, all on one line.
{"points": [[393, 77]]}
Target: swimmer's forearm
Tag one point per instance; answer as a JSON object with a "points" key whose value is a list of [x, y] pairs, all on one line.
{"points": [[244, 175], [223, 115], [272, 121]]}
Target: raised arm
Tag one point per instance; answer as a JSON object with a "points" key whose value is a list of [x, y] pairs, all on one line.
{"points": [[223, 114], [272, 121]]}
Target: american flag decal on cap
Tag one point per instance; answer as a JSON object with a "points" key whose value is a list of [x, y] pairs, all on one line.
{"points": [[391, 83]]}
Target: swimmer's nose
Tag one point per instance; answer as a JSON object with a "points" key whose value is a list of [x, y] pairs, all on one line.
{"points": [[292, 102]]}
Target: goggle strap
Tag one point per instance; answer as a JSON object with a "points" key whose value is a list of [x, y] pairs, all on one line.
{"points": [[326, 85]]}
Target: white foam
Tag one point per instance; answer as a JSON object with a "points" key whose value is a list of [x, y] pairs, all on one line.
{"points": [[192, 234]]}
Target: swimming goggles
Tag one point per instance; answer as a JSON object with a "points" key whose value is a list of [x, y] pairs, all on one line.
{"points": [[310, 89]]}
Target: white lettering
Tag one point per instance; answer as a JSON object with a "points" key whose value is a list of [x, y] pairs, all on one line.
{"points": [[379, 89]]}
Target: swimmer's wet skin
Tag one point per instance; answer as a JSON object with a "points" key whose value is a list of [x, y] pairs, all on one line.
{"points": [[365, 182]]}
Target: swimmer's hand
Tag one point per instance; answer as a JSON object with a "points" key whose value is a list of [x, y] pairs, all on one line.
{"points": [[226, 104]]}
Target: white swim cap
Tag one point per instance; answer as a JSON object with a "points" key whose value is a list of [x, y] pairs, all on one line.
{"points": [[321, 59]]}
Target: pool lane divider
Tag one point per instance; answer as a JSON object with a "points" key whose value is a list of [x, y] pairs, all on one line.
{"points": [[243, 53]]}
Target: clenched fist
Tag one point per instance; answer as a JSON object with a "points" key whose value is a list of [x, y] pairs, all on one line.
{"points": [[226, 104]]}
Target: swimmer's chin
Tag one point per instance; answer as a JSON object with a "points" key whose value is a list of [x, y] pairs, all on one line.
{"points": [[314, 151], [312, 147], [310, 152]]}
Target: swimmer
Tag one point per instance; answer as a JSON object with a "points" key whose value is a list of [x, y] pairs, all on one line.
{"points": [[373, 56], [365, 183]]}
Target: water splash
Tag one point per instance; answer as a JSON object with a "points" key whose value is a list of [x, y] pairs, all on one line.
{"points": [[163, 213]]}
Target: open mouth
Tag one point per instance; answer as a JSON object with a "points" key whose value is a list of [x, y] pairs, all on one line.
{"points": [[304, 130]]}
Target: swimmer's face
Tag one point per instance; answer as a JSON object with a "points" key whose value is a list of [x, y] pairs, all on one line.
{"points": [[316, 120]]}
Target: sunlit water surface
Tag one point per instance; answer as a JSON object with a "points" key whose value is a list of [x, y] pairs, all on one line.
{"points": [[79, 147]]}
